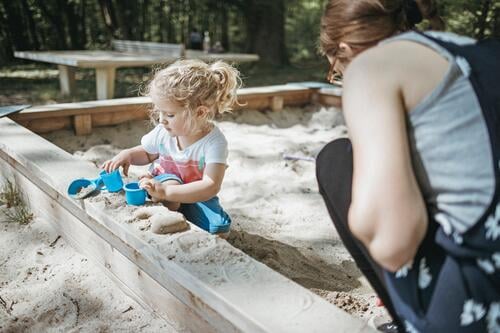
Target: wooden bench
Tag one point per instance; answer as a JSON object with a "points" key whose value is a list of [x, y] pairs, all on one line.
{"points": [[134, 46]]}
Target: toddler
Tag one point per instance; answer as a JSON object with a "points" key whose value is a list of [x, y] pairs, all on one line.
{"points": [[187, 152]]}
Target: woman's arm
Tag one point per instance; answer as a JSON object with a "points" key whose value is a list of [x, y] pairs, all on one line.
{"points": [[197, 191], [387, 212]]}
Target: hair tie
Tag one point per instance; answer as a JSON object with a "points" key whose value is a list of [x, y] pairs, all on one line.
{"points": [[413, 13]]}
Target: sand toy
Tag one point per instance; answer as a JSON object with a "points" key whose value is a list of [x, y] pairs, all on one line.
{"points": [[134, 195], [83, 187]]}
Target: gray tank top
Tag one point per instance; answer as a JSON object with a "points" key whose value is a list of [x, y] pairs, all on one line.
{"points": [[449, 143]]}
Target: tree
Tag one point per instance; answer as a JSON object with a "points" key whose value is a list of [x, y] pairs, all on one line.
{"points": [[265, 22]]}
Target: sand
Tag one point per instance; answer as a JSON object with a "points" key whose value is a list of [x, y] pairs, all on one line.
{"points": [[46, 286], [279, 217]]}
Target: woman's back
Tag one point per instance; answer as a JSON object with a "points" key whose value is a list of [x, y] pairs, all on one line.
{"points": [[448, 137]]}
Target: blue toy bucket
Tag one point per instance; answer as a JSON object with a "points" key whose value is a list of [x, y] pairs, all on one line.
{"points": [[134, 194], [112, 180]]}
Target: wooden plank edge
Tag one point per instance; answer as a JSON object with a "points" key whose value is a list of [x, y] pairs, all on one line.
{"points": [[144, 103]]}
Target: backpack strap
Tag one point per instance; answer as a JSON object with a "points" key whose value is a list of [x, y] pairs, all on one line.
{"points": [[483, 58]]}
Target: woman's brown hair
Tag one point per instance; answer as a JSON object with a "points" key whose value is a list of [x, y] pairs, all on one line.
{"points": [[364, 23]]}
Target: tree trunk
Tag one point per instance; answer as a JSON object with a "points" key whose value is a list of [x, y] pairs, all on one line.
{"points": [[74, 29], [170, 22], [109, 16], [83, 25], [6, 48], [128, 19], [266, 30], [144, 21], [31, 24], [224, 27], [160, 11], [16, 29], [57, 23]]}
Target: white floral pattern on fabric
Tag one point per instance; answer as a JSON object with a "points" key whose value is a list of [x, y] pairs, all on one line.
{"points": [[457, 238], [410, 328], [424, 275], [486, 265], [492, 225], [472, 311], [403, 271], [444, 222], [493, 318], [496, 259]]}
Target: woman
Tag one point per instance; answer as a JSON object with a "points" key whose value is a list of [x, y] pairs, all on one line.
{"points": [[413, 193]]}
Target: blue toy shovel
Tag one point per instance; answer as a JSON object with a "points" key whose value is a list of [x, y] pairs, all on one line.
{"points": [[83, 187]]}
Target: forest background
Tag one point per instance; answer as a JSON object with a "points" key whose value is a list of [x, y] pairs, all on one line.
{"points": [[284, 33]]}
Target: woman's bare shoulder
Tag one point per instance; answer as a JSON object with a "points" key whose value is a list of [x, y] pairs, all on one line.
{"points": [[389, 58], [409, 67]]}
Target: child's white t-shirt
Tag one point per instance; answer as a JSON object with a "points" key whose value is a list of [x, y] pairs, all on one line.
{"points": [[188, 164]]}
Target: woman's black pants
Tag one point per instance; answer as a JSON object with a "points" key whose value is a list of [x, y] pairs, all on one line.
{"points": [[334, 173]]}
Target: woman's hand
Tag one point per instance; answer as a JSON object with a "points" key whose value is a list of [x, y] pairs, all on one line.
{"points": [[122, 159]]}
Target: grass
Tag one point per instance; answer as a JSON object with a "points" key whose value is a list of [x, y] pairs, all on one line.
{"points": [[38, 83], [16, 209]]}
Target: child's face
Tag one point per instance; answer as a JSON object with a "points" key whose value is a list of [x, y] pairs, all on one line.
{"points": [[172, 117]]}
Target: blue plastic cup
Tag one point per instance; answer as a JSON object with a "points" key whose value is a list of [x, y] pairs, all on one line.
{"points": [[112, 180], [134, 195]]}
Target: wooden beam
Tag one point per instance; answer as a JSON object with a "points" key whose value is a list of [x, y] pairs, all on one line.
{"points": [[47, 118], [277, 103], [67, 80], [82, 124], [330, 96], [105, 82], [226, 292]]}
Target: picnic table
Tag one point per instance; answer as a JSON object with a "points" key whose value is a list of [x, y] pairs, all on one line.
{"points": [[105, 64]]}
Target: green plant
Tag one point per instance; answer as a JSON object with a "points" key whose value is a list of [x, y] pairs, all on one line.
{"points": [[16, 208], [10, 194]]}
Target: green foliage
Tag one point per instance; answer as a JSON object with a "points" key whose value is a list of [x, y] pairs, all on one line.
{"points": [[15, 207], [302, 29], [476, 18], [92, 24]]}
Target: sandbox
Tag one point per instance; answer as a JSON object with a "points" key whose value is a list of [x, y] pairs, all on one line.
{"points": [[195, 281]]}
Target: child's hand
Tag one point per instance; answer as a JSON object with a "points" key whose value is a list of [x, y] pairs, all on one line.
{"points": [[155, 189], [146, 176], [122, 159]]}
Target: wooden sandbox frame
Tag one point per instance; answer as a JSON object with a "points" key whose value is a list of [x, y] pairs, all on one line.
{"points": [[187, 301]]}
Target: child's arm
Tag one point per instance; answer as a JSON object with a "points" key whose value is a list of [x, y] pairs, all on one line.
{"points": [[132, 156], [197, 191]]}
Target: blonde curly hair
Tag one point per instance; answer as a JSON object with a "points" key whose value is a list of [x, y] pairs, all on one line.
{"points": [[194, 83]]}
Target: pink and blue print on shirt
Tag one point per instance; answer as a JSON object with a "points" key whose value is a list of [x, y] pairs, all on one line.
{"points": [[189, 171]]}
